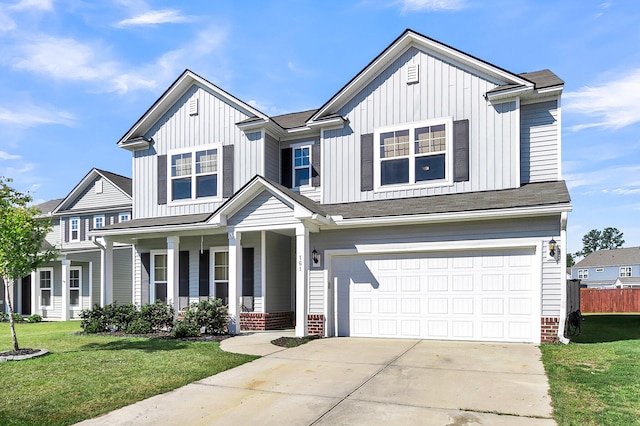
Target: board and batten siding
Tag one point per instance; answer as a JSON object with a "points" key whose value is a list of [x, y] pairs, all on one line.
{"points": [[272, 158], [90, 200], [250, 152], [445, 90], [316, 291], [215, 123], [264, 209], [539, 142]]}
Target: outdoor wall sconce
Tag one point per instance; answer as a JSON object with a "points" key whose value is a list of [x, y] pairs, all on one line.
{"points": [[315, 257], [553, 245]]}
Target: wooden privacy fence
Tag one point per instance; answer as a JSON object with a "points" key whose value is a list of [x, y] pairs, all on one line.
{"points": [[610, 300]]}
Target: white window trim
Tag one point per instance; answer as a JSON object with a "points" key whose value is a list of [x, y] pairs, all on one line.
{"points": [[584, 273], [50, 269], [152, 273], [193, 199], [623, 270], [79, 269], [95, 221], [120, 215], [299, 145], [212, 270], [71, 220], [448, 172]]}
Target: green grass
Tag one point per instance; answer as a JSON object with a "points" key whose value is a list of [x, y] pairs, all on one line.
{"points": [[595, 380], [89, 375]]}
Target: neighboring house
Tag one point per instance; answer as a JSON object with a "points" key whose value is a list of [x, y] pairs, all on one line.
{"points": [[417, 202], [618, 268], [60, 290]]}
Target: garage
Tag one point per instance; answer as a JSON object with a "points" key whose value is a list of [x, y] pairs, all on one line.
{"points": [[482, 295]]}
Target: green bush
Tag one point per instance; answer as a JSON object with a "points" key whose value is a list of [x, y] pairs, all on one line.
{"points": [[212, 315], [183, 329], [34, 318], [139, 326], [17, 317], [159, 315], [96, 320], [122, 316], [4, 316]]}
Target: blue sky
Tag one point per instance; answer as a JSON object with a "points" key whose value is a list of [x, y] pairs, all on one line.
{"points": [[76, 74]]}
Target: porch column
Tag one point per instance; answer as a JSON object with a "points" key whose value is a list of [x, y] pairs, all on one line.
{"points": [[302, 270], [235, 280], [64, 314], [18, 299], [173, 269], [106, 271], [34, 289]]}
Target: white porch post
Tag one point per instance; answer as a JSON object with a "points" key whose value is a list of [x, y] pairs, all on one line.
{"points": [[18, 301], [64, 314], [34, 289], [173, 262], [302, 268], [235, 280], [106, 286]]}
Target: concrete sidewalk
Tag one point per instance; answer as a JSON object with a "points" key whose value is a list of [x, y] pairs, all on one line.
{"points": [[360, 381], [255, 343]]}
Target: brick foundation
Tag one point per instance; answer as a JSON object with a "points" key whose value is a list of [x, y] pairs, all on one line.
{"points": [[315, 324], [254, 321], [549, 329]]}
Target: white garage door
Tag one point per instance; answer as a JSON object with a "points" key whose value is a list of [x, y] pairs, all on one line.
{"points": [[482, 295]]}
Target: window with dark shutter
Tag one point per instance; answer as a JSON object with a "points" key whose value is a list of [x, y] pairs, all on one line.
{"points": [[315, 165], [285, 165]]}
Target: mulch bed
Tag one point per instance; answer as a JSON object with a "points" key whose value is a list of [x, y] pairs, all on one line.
{"points": [[167, 336], [292, 342], [25, 351]]}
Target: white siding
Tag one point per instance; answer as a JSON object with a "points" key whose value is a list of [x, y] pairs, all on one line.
{"points": [[553, 277], [316, 291], [263, 210], [250, 151], [539, 142], [445, 90], [215, 123]]}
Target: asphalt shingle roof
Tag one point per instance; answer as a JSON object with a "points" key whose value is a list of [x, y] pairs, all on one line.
{"points": [[615, 257], [122, 182], [541, 80], [189, 219], [48, 206]]}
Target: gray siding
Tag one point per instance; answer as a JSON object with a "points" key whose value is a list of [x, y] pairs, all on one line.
{"points": [[539, 142], [83, 259], [122, 285], [215, 123], [263, 210], [88, 199], [272, 158], [445, 90], [251, 152], [278, 297]]}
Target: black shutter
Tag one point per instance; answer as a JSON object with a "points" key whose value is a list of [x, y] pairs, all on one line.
{"points": [[315, 165], [162, 179], [203, 274], [285, 165], [183, 274], [83, 221], [67, 228], [227, 171], [366, 162], [461, 150], [145, 272]]}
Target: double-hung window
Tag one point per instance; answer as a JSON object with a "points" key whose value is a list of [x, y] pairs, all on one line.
{"points": [[194, 174], [75, 284], [625, 271], [124, 217], [301, 166], [220, 273], [583, 274], [417, 153], [159, 276], [98, 221], [74, 229], [45, 282]]}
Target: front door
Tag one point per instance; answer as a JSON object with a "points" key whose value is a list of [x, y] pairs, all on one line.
{"points": [[247, 278], [25, 306]]}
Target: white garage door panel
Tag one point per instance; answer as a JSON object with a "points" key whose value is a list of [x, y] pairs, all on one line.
{"points": [[480, 295]]}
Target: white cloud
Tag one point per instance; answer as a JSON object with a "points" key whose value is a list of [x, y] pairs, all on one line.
{"points": [[6, 23], [29, 115], [430, 5], [33, 4], [612, 105], [155, 17], [6, 156]]}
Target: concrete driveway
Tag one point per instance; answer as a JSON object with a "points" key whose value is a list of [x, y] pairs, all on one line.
{"points": [[361, 381]]}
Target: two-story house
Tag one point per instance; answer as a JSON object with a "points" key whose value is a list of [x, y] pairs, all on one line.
{"points": [[419, 201], [77, 280], [617, 268]]}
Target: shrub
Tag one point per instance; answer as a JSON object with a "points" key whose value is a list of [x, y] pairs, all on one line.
{"points": [[4, 316], [139, 326], [122, 316], [183, 329], [17, 317], [159, 315], [96, 320], [34, 318], [211, 314]]}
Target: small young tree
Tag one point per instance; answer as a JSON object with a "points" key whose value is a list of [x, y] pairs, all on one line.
{"points": [[22, 235]]}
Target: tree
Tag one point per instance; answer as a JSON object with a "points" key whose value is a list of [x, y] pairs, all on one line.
{"points": [[594, 240], [22, 235], [570, 260]]}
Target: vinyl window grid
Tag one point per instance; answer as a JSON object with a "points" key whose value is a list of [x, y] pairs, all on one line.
{"points": [[625, 271], [45, 284], [74, 229], [195, 173], [583, 274], [98, 221], [301, 164], [75, 285]]}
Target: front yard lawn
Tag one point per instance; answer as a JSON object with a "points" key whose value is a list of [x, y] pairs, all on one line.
{"points": [[595, 380], [89, 375]]}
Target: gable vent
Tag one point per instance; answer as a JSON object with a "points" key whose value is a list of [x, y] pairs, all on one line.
{"points": [[413, 73], [98, 186], [193, 106]]}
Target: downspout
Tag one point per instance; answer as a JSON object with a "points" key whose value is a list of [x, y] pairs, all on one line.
{"points": [[563, 291]]}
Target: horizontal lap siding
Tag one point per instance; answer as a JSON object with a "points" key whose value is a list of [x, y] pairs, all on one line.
{"points": [[122, 285], [445, 90], [316, 292], [94, 258], [539, 142], [215, 123], [263, 210], [110, 196]]}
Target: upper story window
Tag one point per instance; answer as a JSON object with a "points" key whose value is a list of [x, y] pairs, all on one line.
{"points": [[417, 153], [124, 217], [98, 221], [194, 174], [74, 229], [625, 271], [302, 166], [583, 274]]}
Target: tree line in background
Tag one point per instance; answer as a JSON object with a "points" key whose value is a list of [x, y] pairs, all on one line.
{"points": [[594, 240]]}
